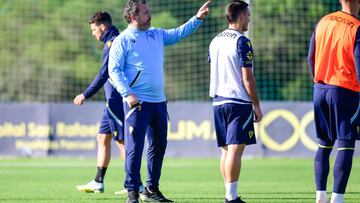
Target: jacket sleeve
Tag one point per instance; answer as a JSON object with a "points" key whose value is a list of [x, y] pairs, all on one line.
{"points": [[357, 54], [311, 55], [172, 36], [118, 53], [102, 76]]}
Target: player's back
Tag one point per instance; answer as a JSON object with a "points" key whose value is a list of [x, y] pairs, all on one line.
{"points": [[226, 76], [335, 37]]}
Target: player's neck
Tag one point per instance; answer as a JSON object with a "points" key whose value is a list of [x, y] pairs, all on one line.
{"points": [[136, 26], [350, 10], [236, 27]]}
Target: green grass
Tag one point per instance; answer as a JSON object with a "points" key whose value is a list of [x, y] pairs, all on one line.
{"points": [[183, 180]]}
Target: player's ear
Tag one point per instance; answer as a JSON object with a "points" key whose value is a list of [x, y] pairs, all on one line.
{"points": [[241, 17], [133, 18], [102, 27]]}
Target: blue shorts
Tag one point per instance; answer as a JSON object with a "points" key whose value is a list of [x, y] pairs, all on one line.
{"points": [[112, 120], [234, 124], [336, 113]]}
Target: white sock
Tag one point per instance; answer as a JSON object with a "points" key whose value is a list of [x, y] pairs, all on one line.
{"points": [[337, 198], [231, 190], [321, 196]]}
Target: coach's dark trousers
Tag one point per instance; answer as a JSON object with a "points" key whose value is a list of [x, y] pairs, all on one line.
{"points": [[151, 120]]}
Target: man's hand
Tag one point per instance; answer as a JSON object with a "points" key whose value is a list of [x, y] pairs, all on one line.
{"points": [[79, 100], [258, 114], [132, 100], [204, 10]]}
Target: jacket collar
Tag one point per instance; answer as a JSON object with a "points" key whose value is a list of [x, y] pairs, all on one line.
{"points": [[110, 33]]}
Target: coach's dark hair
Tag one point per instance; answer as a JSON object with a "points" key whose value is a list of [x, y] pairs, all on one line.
{"points": [[234, 9], [132, 8], [101, 17]]}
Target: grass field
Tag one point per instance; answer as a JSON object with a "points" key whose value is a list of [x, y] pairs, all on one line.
{"points": [[183, 180]]}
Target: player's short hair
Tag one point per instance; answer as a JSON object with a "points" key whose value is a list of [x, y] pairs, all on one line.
{"points": [[101, 17], [234, 9], [132, 8]]}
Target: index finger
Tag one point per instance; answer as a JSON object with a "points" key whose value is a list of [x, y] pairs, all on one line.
{"points": [[205, 4]]}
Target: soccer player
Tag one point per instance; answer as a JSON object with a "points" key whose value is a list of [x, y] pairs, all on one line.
{"points": [[234, 92], [334, 61], [136, 66], [111, 125]]}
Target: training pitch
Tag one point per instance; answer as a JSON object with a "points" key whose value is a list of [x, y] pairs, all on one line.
{"points": [[183, 180]]}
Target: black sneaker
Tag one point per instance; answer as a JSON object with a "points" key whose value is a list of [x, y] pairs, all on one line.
{"points": [[237, 200], [153, 195], [133, 197]]}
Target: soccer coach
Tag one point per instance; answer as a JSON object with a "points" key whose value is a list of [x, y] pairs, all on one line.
{"points": [[136, 67]]}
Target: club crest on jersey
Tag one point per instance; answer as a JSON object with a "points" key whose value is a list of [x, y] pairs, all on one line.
{"points": [[249, 43], [249, 55], [115, 133], [109, 44]]}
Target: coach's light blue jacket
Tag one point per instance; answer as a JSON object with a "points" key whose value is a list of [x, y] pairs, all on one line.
{"points": [[136, 59]]}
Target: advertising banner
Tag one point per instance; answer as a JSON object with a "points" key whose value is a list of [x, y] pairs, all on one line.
{"points": [[287, 130]]}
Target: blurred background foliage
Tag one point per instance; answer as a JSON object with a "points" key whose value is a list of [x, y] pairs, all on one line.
{"points": [[47, 52]]}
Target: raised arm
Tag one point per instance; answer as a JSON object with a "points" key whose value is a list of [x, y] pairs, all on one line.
{"points": [[174, 35]]}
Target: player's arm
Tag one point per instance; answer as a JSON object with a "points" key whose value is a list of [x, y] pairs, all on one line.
{"points": [[116, 66], [245, 53], [99, 80], [357, 54], [311, 55], [172, 36], [250, 86]]}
